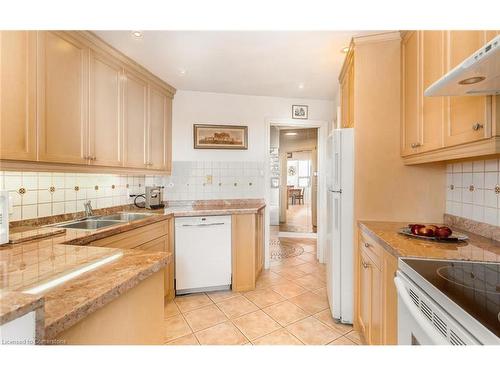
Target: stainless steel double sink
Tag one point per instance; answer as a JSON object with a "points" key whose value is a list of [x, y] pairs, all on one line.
{"points": [[98, 222]]}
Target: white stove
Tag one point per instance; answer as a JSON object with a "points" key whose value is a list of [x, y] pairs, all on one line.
{"points": [[448, 302]]}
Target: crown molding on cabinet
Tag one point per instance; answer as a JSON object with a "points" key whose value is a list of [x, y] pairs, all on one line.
{"points": [[377, 38]]}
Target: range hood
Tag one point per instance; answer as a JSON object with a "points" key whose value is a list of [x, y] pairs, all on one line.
{"points": [[479, 74]]}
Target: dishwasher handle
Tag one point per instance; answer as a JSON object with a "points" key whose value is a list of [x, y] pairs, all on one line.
{"points": [[202, 225]]}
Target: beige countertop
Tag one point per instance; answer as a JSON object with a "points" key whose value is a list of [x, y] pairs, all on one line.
{"points": [[477, 248], [42, 254]]}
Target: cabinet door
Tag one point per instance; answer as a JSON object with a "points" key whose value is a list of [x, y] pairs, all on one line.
{"points": [[159, 134], [344, 102], [376, 321], [135, 120], [350, 79], [390, 300], [432, 118], [17, 95], [259, 248], [410, 135], [160, 244], [365, 297], [62, 98], [105, 123], [465, 111], [490, 34]]}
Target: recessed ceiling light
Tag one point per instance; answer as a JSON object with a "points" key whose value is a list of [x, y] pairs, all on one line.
{"points": [[137, 34], [182, 72], [291, 133], [301, 86], [344, 50]]}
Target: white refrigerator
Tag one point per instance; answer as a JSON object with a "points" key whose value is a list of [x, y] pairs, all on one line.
{"points": [[340, 224]]}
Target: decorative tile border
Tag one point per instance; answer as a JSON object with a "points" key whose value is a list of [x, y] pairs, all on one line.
{"points": [[40, 194]]}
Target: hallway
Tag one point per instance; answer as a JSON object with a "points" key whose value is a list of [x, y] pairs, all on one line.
{"points": [[288, 307], [298, 219]]}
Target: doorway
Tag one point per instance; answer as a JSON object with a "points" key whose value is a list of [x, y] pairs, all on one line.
{"points": [[294, 168]]}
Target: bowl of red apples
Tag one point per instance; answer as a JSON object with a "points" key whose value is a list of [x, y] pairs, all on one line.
{"points": [[432, 232]]}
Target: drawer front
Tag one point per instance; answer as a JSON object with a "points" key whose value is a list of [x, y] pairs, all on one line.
{"points": [[134, 237], [372, 249]]}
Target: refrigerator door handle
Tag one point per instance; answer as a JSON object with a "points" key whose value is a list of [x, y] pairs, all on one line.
{"points": [[336, 191]]}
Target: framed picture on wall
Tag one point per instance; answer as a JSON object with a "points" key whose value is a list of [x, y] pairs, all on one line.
{"points": [[220, 137], [300, 111]]}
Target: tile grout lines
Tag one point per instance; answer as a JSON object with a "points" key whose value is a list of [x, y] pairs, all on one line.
{"points": [[252, 305]]}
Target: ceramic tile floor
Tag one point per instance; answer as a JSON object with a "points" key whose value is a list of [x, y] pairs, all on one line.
{"points": [[288, 307]]}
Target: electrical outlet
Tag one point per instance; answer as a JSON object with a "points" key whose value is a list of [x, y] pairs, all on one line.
{"points": [[208, 179]]}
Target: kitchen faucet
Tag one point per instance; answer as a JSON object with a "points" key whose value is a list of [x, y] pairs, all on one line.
{"points": [[88, 209]]}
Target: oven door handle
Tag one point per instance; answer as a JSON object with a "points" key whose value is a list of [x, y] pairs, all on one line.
{"points": [[423, 322]]}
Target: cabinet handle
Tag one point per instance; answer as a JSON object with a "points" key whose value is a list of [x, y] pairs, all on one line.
{"points": [[364, 264], [415, 145], [93, 158], [477, 126], [367, 244]]}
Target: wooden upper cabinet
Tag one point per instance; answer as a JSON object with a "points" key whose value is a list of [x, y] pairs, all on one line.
{"points": [[62, 98], [105, 116], [468, 115], [346, 81], [344, 103], [135, 120], [410, 132], [66, 97], [18, 95], [160, 129], [432, 117]]}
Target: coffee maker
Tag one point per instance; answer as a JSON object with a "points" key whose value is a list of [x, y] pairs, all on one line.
{"points": [[154, 197]]}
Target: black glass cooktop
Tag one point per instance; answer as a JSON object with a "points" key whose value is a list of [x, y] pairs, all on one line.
{"points": [[475, 287]]}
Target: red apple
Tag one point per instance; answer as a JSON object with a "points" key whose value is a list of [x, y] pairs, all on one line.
{"points": [[425, 231], [443, 232], [415, 227]]}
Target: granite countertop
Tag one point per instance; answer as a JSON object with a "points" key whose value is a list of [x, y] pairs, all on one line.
{"points": [[40, 254], [215, 207], [477, 248], [28, 264]]}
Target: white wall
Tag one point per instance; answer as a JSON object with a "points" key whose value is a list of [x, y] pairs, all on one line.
{"points": [[191, 107]]}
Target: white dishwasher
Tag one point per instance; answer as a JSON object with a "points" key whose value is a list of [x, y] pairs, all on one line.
{"points": [[202, 254]]}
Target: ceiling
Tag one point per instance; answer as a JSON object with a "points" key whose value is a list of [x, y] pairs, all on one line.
{"points": [[301, 64]]}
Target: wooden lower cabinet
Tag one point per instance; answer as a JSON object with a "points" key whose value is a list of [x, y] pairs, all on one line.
{"points": [[247, 250], [134, 318], [155, 236], [376, 310]]}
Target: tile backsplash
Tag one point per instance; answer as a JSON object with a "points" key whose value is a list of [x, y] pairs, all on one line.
{"points": [[197, 180], [473, 190], [40, 194]]}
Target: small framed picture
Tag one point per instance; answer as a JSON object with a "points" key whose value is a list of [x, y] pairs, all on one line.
{"points": [[300, 111]]}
